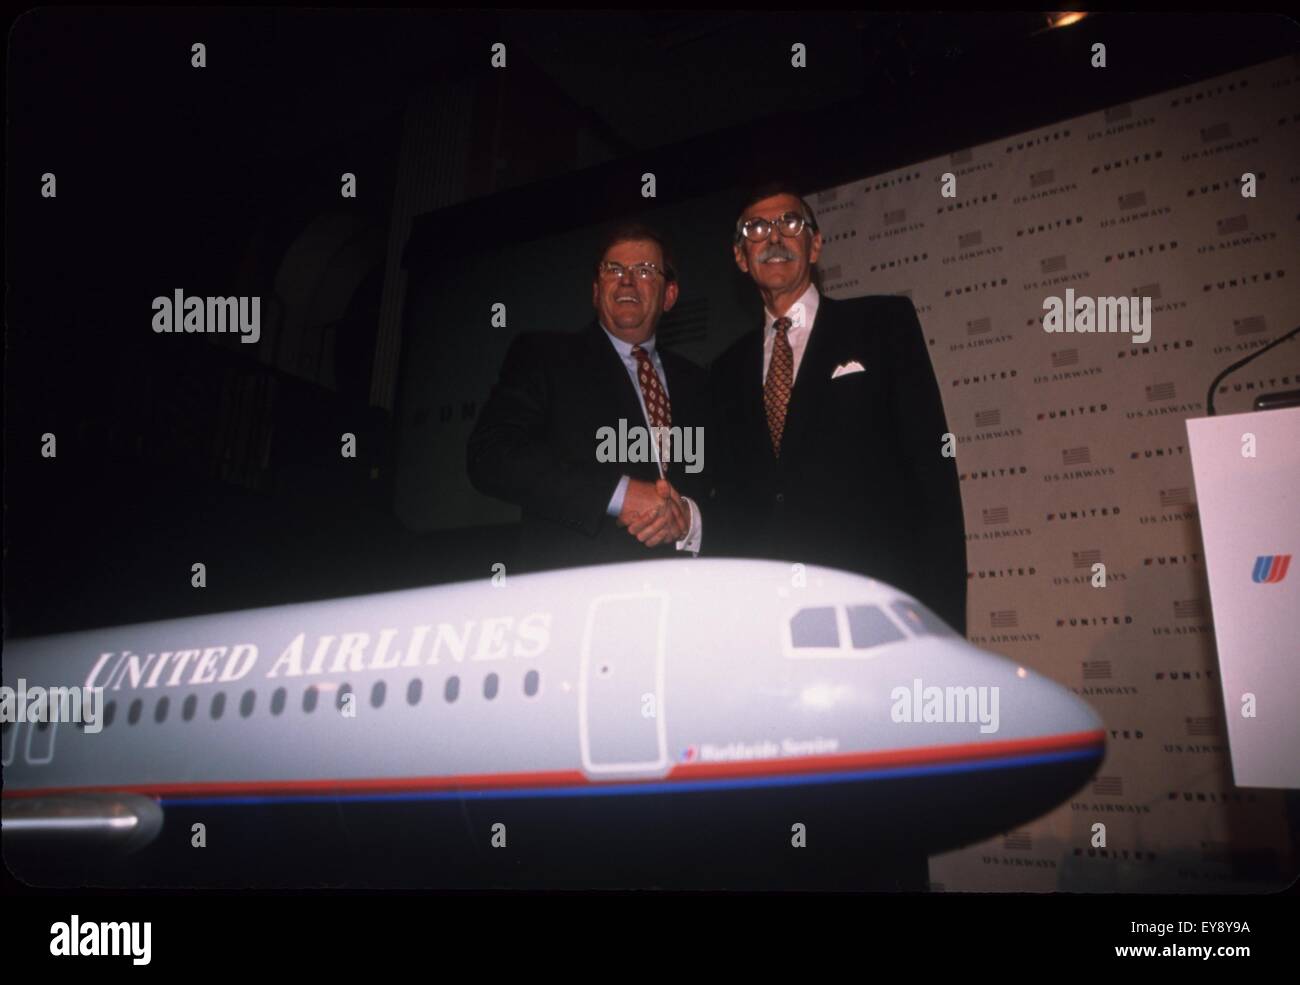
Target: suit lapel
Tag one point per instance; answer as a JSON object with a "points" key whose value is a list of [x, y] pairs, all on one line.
{"points": [[684, 403], [752, 369], [678, 399], [609, 377]]}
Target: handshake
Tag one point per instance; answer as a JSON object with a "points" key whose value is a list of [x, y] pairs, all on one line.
{"points": [[654, 513]]}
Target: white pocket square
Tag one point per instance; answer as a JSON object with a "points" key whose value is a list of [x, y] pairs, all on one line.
{"points": [[844, 369]]}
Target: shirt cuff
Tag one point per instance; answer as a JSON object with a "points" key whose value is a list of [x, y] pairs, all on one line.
{"points": [[692, 540], [616, 501]]}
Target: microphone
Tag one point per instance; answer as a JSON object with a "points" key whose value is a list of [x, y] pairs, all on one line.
{"points": [[1209, 397]]}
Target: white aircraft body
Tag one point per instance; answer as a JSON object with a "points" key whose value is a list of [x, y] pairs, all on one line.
{"points": [[706, 684]]}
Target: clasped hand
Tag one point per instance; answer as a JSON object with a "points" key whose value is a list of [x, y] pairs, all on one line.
{"points": [[654, 512]]}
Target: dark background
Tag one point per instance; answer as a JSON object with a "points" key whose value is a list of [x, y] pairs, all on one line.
{"points": [[225, 181]]}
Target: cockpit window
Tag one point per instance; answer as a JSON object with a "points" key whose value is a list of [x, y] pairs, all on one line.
{"points": [[920, 620], [869, 626], [814, 627]]}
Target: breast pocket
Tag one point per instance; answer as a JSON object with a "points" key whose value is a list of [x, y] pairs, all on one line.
{"points": [[852, 403], [854, 389]]}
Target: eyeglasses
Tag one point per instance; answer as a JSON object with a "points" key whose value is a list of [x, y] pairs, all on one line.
{"points": [[790, 223], [641, 271]]}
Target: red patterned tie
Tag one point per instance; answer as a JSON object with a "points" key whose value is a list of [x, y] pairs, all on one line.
{"points": [[780, 378], [656, 401]]}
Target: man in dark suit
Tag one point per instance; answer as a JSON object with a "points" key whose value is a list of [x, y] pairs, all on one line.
{"points": [[564, 402], [827, 442]]}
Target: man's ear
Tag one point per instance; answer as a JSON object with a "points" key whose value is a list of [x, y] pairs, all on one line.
{"points": [[816, 249], [739, 252], [670, 295]]}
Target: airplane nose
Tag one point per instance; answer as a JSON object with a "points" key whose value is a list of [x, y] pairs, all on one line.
{"points": [[1031, 704], [1054, 708], [1069, 711]]}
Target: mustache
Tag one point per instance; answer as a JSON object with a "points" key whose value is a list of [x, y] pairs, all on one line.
{"points": [[775, 251]]}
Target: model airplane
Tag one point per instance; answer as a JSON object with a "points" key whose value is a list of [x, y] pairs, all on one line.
{"points": [[691, 698]]}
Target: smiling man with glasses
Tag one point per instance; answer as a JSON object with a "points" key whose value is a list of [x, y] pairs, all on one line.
{"points": [[828, 424], [536, 441]]}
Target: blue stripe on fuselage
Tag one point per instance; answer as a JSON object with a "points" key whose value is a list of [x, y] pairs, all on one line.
{"points": [[654, 787]]}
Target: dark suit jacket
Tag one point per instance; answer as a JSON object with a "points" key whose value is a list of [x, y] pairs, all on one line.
{"points": [[534, 445], [860, 484]]}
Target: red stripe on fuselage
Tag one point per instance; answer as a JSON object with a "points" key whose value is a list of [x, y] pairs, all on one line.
{"points": [[926, 756], [838, 762]]}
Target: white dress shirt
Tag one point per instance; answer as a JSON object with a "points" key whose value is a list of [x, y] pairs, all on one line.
{"points": [[691, 542], [801, 313]]}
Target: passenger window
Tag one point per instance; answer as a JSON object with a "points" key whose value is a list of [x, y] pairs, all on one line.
{"points": [[814, 627], [920, 620], [869, 626]]}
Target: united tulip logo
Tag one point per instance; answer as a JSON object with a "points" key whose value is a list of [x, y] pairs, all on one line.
{"points": [[1270, 568]]}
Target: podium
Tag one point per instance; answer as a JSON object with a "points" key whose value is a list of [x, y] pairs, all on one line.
{"points": [[1250, 525]]}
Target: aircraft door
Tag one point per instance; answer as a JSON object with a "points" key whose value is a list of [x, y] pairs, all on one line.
{"points": [[620, 701]]}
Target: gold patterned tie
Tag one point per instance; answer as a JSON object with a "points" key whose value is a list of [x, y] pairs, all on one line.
{"points": [[780, 378]]}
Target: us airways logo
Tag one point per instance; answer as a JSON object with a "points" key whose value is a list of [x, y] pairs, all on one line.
{"points": [[1270, 568]]}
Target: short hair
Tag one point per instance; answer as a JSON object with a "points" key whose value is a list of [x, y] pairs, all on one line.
{"points": [[771, 189], [636, 230]]}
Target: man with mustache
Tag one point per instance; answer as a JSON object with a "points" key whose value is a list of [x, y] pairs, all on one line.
{"points": [[537, 440], [826, 441], [829, 426]]}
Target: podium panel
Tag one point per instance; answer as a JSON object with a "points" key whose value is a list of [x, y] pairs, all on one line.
{"points": [[1250, 525]]}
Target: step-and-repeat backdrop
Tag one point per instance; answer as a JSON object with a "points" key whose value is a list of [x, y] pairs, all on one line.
{"points": [[1072, 448]]}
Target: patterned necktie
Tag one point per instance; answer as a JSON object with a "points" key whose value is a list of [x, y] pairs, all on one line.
{"points": [[780, 378], [656, 401]]}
